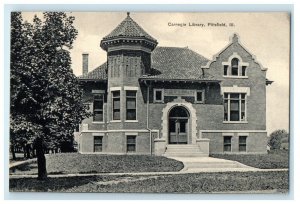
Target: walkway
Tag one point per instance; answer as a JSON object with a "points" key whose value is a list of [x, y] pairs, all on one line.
{"points": [[210, 164], [191, 165]]}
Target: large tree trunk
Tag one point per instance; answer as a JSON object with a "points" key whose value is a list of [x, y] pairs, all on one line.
{"points": [[12, 149], [28, 151], [41, 160], [24, 150], [33, 152]]}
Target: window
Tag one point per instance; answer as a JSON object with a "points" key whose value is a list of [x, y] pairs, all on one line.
{"points": [[227, 143], [244, 70], [234, 107], [158, 95], [98, 143], [131, 143], [200, 96], [116, 105], [130, 105], [225, 70], [242, 143], [98, 107], [234, 67]]}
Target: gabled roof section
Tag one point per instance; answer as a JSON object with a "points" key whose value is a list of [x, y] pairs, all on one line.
{"points": [[234, 39], [128, 28], [176, 63]]}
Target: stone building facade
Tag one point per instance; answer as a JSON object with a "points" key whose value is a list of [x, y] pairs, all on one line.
{"points": [[172, 101]]}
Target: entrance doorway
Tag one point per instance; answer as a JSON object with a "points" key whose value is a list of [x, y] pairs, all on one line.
{"points": [[178, 125]]}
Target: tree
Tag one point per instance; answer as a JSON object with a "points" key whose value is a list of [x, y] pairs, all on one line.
{"points": [[22, 101], [54, 107], [276, 138]]}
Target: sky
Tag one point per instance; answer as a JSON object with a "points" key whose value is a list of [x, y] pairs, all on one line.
{"points": [[265, 35]]}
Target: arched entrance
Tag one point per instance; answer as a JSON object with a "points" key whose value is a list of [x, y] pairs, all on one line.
{"points": [[178, 125]]}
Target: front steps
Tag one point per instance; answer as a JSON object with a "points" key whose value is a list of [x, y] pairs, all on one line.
{"points": [[184, 150]]}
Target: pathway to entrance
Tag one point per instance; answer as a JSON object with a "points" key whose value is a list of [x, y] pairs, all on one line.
{"points": [[191, 165], [208, 164]]}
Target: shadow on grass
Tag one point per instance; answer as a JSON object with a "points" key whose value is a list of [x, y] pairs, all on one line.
{"points": [[50, 184]]}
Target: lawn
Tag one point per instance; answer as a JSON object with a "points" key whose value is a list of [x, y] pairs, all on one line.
{"points": [[179, 183], [273, 160], [96, 163]]}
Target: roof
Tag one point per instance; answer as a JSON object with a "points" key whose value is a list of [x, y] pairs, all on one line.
{"points": [[100, 73], [129, 28], [176, 63], [167, 63]]}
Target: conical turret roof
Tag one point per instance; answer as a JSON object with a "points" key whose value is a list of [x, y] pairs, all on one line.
{"points": [[129, 28]]}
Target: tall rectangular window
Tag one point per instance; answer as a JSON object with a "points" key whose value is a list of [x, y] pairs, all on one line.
{"points": [[227, 144], [244, 70], [131, 143], [234, 107], [116, 115], [225, 70], [98, 143], [130, 105], [98, 107], [242, 143]]}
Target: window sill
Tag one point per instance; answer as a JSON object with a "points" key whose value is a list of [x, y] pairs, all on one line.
{"points": [[235, 122], [115, 121], [98, 122], [199, 102], [235, 77], [131, 121]]}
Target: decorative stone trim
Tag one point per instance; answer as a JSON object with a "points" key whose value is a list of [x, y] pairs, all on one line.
{"points": [[131, 88], [115, 89], [235, 89], [193, 118], [97, 134], [131, 133], [235, 55]]}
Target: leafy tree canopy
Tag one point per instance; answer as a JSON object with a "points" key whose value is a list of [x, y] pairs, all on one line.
{"points": [[45, 95], [277, 137]]}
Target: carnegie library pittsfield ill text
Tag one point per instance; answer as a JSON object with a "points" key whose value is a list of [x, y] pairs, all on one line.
{"points": [[193, 24]]}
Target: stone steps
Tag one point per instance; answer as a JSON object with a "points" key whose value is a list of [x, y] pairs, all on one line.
{"points": [[184, 150]]}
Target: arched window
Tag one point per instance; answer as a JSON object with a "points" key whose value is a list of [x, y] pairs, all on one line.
{"points": [[235, 67], [178, 112]]}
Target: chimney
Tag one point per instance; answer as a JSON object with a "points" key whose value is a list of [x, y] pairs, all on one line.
{"points": [[85, 63]]}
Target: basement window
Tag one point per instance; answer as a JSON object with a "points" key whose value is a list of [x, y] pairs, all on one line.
{"points": [[131, 143], [98, 143], [227, 143], [242, 143]]}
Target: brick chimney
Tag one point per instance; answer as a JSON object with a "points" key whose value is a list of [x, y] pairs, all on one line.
{"points": [[85, 63]]}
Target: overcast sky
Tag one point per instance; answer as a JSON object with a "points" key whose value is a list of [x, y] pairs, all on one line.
{"points": [[266, 35]]}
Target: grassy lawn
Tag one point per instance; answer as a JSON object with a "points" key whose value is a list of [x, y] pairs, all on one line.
{"points": [[180, 183], [273, 160], [95, 163]]}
